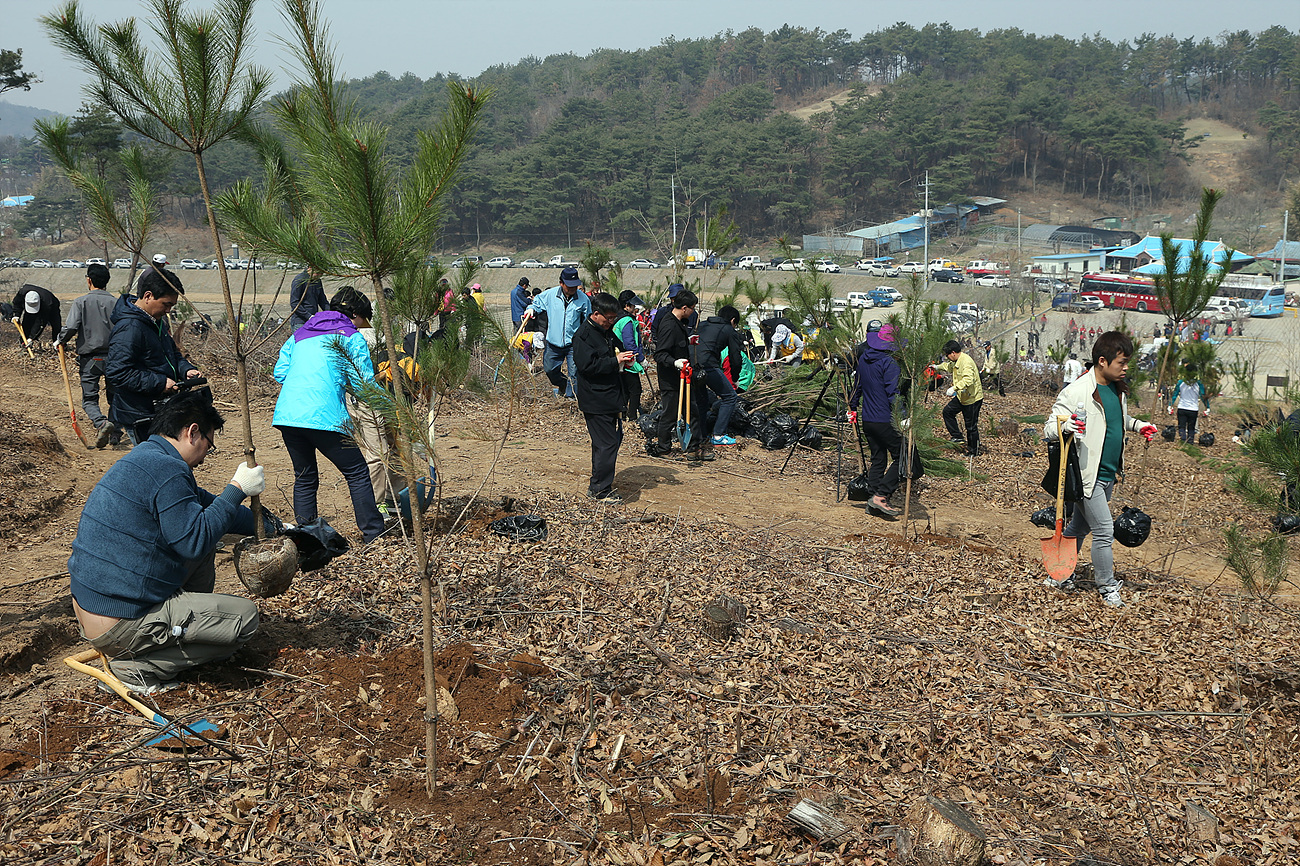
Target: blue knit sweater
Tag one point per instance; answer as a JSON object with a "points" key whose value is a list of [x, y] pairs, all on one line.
{"points": [[143, 521]]}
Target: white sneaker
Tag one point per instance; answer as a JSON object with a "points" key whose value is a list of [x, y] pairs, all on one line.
{"points": [[1111, 598]]}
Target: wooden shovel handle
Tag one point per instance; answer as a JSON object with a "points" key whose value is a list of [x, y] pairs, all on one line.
{"points": [[78, 663], [1060, 481]]}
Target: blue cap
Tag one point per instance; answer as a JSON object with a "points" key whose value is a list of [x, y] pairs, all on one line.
{"points": [[569, 276], [674, 289]]}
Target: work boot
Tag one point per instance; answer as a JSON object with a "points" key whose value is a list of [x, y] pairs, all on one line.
{"points": [[105, 436]]}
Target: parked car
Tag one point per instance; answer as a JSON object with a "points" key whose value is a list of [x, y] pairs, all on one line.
{"points": [[755, 263], [826, 266], [461, 261], [947, 275], [121, 263], [894, 294], [1050, 285], [1089, 303], [959, 323], [288, 266], [642, 263], [877, 269], [191, 264], [532, 263], [861, 301], [911, 268], [40, 263], [70, 263], [350, 264], [993, 280], [793, 265], [96, 261], [500, 262], [882, 296]]}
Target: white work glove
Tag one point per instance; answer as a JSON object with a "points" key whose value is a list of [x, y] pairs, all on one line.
{"points": [[905, 423], [14, 320], [1074, 426], [1171, 410], [1207, 412], [250, 480], [679, 363], [528, 315], [951, 392]]}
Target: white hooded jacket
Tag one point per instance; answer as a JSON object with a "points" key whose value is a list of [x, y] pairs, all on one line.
{"points": [[1084, 390]]}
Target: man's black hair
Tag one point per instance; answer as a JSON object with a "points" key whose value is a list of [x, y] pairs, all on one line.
{"points": [[98, 275], [605, 304], [351, 303], [951, 346], [161, 283], [1111, 345], [183, 410], [685, 298], [729, 314]]}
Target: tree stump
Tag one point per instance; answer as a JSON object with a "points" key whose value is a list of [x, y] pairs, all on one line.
{"points": [[1201, 824], [815, 820], [945, 834], [721, 616]]}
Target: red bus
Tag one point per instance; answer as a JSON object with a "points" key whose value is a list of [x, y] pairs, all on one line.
{"points": [[1123, 292]]}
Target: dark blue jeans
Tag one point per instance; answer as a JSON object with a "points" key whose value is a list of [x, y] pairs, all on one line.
{"points": [[719, 384], [302, 444], [552, 362]]}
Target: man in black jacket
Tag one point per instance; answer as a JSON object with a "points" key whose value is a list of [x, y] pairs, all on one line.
{"points": [[144, 365], [718, 333], [672, 354], [599, 361], [34, 308]]}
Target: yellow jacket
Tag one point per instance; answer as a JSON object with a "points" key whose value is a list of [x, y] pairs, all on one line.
{"points": [[965, 378]]}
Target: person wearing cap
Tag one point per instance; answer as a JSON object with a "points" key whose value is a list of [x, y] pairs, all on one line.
{"points": [[992, 369], [566, 308], [878, 375], [672, 354], [34, 308], [157, 263], [90, 319], [520, 298], [783, 343], [967, 397], [144, 366], [1073, 368], [627, 330], [599, 365], [691, 323], [306, 298], [718, 334]]}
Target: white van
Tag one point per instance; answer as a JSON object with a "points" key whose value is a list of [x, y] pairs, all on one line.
{"points": [[1222, 309], [860, 301], [755, 262]]}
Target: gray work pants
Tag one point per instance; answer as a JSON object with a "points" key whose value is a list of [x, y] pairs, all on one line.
{"points": [[1093, 515], [145, 652], [92, 370]]}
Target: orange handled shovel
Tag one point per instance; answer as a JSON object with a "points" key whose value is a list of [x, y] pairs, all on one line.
{"points": [[1060, 554], [67, 389]]}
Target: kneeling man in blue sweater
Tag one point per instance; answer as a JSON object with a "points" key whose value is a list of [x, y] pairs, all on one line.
{"points": [[142, 563]]}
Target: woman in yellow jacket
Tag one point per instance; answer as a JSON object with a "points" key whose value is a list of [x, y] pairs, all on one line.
{"points": [[967, 397]]}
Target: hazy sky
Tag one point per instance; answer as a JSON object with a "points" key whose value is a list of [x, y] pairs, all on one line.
{"points": [[466, 36]]}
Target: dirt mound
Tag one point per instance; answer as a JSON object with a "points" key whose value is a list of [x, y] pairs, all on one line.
{"points": [[29, 451]]}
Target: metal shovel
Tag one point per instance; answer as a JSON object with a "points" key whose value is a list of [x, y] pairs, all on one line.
{"points": [[684, 423], [1060, 554]]}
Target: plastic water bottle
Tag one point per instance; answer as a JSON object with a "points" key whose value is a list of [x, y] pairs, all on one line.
{"points": [[1081, 416]]}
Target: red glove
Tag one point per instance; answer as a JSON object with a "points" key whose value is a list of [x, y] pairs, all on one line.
{"points": [[694, 339], [686, 371], [853, 417], [1148, 431]]}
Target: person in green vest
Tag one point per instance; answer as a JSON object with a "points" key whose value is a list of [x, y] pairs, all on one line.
{"points": [[627, 330]]}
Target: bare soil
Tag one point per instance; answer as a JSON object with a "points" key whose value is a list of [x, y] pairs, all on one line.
{"points": [[593, 720]]}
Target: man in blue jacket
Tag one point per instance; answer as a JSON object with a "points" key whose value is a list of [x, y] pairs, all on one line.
{"points": [[520, 297], [566, 308], [142, 564], [878, 375], [144, 365]]}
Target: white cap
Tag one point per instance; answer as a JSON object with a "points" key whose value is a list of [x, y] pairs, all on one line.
{"points": [[160, 259], [32, 303]]}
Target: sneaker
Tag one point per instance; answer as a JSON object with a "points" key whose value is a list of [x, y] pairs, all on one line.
{"points": [[1066, 585], [1111, 598], [658, 450], [959, 440], [723, 440], [880, 505], [105, 436], [611, 497]]}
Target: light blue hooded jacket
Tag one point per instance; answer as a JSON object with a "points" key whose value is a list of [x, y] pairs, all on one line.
{"points": [[313, 374]]}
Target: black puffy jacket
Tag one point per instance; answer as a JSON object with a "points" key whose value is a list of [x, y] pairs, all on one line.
{"points": [[141, 358], [599, 384]]}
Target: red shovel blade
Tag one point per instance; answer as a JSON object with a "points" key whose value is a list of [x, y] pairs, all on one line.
{"points": [[1060, 554]]}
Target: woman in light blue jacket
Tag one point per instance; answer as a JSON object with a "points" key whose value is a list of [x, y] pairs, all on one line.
{"points": [[311, 415]]}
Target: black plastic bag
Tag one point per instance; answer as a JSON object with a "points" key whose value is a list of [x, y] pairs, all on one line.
{"points": [[1073, 475], [858, 489], [740, 418], [1169, 433], [649, 422], [520, 527], [811, 437], [1044, 517], [786, 423], [318, 543], [1132, 527], [1286, 524], [1205, 440]]}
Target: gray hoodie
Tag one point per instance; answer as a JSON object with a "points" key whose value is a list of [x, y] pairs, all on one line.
{"points": [[89, 319]]}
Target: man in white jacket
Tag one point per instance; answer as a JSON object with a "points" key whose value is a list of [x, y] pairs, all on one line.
{"points": [[1093, 409]]}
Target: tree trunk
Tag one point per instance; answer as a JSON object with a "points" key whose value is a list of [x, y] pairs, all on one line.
{"points": [[241, 367], [421, 551]]}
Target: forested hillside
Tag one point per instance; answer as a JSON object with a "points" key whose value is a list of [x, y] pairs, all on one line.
{"points": [[587, 147]]}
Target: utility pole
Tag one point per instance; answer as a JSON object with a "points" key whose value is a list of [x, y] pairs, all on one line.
{"points": [[925, 220], [672, 186], [1281, 265]]}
